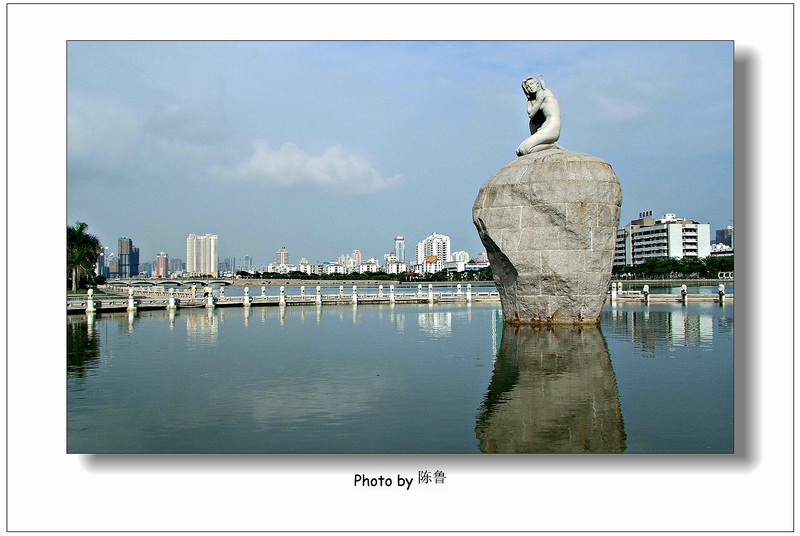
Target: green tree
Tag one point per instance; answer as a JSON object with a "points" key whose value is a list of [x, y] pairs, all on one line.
{"points": [[82, 252]]}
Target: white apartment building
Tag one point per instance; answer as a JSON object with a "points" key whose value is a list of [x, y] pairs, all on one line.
{"points": [[433, 253], [201, 255], [667, 237], [459, 256], [305, 266], [395, 267], [282, 269]]}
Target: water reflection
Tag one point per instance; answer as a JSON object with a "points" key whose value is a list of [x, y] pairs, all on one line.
{"points": [[552, 391], [436, 324], [673, 327], [83, 346], [202, 329]]}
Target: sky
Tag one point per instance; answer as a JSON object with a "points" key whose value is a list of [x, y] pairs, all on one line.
{"points": [[325, 147]]}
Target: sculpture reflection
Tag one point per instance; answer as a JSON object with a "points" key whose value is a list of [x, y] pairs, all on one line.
{"points": [[552, 391]]}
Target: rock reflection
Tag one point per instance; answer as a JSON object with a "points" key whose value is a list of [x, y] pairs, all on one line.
{"points": [[552, 391]]}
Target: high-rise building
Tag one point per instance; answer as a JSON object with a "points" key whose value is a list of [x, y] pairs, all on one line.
{"points": [[162, 264], [436, 244], [128, 265], [434, 252], [282, 256], [400, 248], [176, 266], [667, 237], [201, 255], [248, 263], [725, 236]]}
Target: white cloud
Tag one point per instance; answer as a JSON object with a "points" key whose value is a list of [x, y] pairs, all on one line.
{"points": [[290, 166], [619, 110]]}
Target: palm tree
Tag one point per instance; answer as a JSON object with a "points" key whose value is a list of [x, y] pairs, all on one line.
{"points": [[82, 252]]}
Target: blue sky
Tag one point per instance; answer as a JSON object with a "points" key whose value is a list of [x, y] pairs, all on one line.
{"points": [[329, 146]]}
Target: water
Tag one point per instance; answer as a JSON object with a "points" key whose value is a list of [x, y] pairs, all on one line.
{"points": [[399, 379]]}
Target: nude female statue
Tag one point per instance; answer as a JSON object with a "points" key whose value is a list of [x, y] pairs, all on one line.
{"points": [[545, 115]]}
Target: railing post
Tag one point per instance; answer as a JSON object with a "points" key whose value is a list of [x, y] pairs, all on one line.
{"points": [[646, 292], [430, 293], [391, 293], [355, 295], [721, 292], [263, 290], [458, 291], [469, 292], [319, 295], [282, 298], [614, 292], [302, 292], [90, 302], [171, 306], [684, 293], [419, 290], [247, 296], [380, 291], [131, 301]]}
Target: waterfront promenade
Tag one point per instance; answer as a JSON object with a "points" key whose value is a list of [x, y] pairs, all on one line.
{"points": [[125, 298]]}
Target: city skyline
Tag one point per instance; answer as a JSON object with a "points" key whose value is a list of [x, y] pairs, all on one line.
{"points": [[325, 147]]}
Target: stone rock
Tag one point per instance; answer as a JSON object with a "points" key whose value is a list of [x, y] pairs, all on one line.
{"points": [[549, 222]]}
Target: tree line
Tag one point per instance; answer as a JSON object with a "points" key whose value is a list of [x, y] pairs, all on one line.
{"points": [[83, 249], [672, 268]]}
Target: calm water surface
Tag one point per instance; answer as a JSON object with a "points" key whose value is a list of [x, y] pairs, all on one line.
{"points": [[399, 379]]}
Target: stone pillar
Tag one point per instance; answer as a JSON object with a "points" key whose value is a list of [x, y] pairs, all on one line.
{"points": [[210, 300], [246, 296], [380, 291], [221, 292], [341, 291], [90, 308], [263, 290], [419, 290], [355, 295], [172, 305], [614, 292], [469, 292], [458, 289], [131, 301], [282, 298], [391, 293], [646, 292], [430, 293], [302, 292], [684, 293], [319, 295], [721, 292]]}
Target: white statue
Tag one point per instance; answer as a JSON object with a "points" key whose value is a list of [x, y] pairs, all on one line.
{"points": [[545, 115]]}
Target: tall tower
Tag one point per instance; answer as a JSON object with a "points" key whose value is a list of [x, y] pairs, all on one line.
{"points": [[128, 258], [400, 248], [282, 256], [162, 264], [201, 255]]}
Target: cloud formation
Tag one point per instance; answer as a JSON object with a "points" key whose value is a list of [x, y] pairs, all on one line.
{"points": [[290, 166]]}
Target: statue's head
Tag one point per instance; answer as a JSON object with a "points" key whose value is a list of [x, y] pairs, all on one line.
{"points": [[530, 85]]}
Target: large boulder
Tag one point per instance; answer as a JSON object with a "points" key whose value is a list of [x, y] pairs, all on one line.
{"points": [[549, 221]]}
